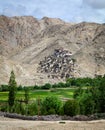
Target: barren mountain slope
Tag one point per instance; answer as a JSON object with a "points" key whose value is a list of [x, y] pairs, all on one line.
{"points": [[25, 41], [91, 58]]}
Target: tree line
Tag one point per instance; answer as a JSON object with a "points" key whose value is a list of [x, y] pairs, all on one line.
{"points": [[71, 82], [85, 101]]}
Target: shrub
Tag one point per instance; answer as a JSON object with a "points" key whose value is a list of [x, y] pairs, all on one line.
{"points": [[55, 86], [33, 109], [78, 92], [51, 111], [4, 88], [61, 85], [51, 105], [37, 87], [87, 104], [18, 107], [71, 108], [26, 95], [61, 111], [20, 88], [46, 86], [4, 107]]}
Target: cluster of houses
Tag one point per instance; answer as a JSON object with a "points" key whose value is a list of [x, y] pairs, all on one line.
{"points": [[58, 65]]}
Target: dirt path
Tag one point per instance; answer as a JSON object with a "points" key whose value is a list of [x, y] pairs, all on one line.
{"points": [[14, 124]]}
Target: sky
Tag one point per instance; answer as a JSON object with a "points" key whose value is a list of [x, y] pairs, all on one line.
{"points": [[67, 10]]}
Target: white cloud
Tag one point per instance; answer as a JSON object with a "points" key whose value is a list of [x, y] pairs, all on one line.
{"points": [[97, 4]]}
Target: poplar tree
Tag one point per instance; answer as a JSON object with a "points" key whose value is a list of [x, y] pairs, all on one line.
{"points": [[12, 89]]}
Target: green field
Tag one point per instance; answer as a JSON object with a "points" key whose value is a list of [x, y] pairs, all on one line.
{"points": [[63, 94]]}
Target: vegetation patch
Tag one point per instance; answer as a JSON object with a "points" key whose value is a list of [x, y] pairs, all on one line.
{"points": [[70, 101]]}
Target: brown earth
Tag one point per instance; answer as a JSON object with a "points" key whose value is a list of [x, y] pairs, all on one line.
{"points": [[14, 124], [25, 41]]}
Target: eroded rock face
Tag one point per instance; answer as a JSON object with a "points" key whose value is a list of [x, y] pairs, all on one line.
{"points": [[26, 41]]}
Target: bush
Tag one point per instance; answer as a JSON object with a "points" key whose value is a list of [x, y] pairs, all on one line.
{"points": [[4, 107], [78, 92], [61, 85], [37, 87], [51, 111], [46, 86], [54, 86], [61, 111], [18, 107], [71, 108], [51, 105], [19, 88], [87, 104], [26, 95], [33, 109], [4, 88]]}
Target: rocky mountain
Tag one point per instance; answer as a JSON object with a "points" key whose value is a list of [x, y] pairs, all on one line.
{"points": [[50, 50]]}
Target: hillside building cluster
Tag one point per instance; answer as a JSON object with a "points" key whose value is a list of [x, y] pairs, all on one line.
{"points": [[58, 65]]}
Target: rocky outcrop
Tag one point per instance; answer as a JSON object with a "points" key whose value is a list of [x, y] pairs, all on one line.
{"points": [[26, 41]]}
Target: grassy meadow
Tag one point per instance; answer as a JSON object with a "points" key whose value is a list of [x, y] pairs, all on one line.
{"points": [[61, 93]]}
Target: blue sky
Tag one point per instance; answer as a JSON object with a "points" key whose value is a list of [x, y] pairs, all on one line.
{"points": [[68, 10]]}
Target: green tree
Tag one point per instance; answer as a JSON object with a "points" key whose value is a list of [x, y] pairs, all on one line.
{"points": [[71, 108], [87, 103], [12, 89], [102, 95]]}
